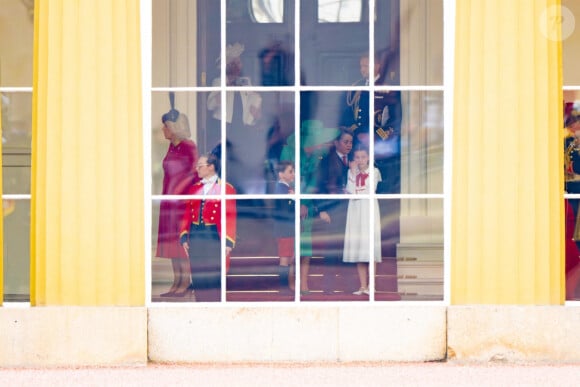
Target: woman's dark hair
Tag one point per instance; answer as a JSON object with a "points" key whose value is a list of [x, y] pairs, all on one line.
{"points": [[172, 114]]}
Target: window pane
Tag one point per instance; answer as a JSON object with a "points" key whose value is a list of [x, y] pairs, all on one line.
{"points": [[571, 42], [256, 272], [259, 53], [186, 42], [572, 186], [412, 250], [339, 11], [409, 42], [331, 51], [16, 250], [16, 39], [255, 141], [268, 11], [16, 137]]}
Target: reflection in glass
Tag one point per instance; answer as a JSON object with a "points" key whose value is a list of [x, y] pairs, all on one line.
{"points": [[263, 261], [572, 180], [412, 250], [409, 41], [345, 11], [179, 61], [16, 138], [255, 145], [16, 250], [330, 50], [572, 264], [179, 174], [16, 43], [268, 11], [266, 34]]}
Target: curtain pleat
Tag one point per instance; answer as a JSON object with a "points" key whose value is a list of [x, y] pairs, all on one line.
{"points": [[87, 207], [507, 213]]}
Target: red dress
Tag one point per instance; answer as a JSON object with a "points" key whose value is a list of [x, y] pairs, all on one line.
{"points": [[178, 176], [572, 254]]}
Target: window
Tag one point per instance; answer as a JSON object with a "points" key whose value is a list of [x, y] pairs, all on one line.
{"points": [[570, 46], [273, 122], [339, 11], [16, 34], [268, 11]]}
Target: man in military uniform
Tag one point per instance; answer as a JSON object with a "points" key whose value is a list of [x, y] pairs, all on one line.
{"points": [[386, 123]]}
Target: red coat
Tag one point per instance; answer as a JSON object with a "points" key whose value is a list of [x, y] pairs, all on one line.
{"points": [[211, 215], [572, 253], [178, 176]]}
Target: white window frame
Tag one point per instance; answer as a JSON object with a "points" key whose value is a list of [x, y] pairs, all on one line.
{"points": [[446, 88]]}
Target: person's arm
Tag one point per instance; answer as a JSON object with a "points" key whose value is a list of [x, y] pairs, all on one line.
{"points": [[184, 226], [214, 100]]}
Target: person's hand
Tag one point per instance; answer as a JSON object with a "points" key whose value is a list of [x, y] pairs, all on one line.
{"points": [[325, 217], [256, 112], [303, 212], [228, 250], [186, 247], [352, 165]]}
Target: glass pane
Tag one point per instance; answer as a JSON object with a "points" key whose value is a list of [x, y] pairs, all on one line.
{"points": [[176, 273], [268, 11], [407, 136], [570, 42], [343, 11], [572, 263], [16, 40], [572, 186], [186, 42], [189, 131], [259, 53], [412, 250], [409, 42], [257, 132], [262, 263], [331, 51], [16, 250], [16, 138]]}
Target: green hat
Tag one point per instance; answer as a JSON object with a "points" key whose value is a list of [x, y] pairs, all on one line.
{"points": [[314, 133]]}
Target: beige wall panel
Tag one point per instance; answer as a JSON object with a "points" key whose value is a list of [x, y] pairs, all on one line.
{"points": [[308, 333], [72, 336], [514, 333]]}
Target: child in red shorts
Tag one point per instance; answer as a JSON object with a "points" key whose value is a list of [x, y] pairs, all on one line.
{"points": [[284, 223]]}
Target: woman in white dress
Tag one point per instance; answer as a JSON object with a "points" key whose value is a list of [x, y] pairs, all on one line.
{"points": [[356, 237]]}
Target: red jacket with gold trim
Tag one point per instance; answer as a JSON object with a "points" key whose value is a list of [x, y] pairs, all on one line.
{"points": [[212, 210]]}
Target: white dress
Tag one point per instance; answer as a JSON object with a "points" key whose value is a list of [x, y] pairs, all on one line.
{"points": [[357, 233]]}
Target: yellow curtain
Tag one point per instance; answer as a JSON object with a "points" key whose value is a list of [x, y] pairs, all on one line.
{"points": [[507, 208], [87, 224]]}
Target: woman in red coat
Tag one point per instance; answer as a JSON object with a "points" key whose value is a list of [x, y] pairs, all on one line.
{"points": [[201, 228], [179, 175]]}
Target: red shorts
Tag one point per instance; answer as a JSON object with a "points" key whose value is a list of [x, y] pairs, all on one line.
{"points": [[286, 247]]}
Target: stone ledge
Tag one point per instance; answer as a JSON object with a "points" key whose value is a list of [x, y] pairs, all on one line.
{"points": [[73, 336], [297, 334], [514, 333]]}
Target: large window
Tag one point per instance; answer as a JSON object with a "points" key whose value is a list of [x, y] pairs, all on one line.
{"points": [[16, 34], [276, 101], [571, 46]]}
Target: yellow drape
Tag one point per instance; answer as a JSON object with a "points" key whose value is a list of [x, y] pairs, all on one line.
{"points": [[87, 222], [507, 212]]}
